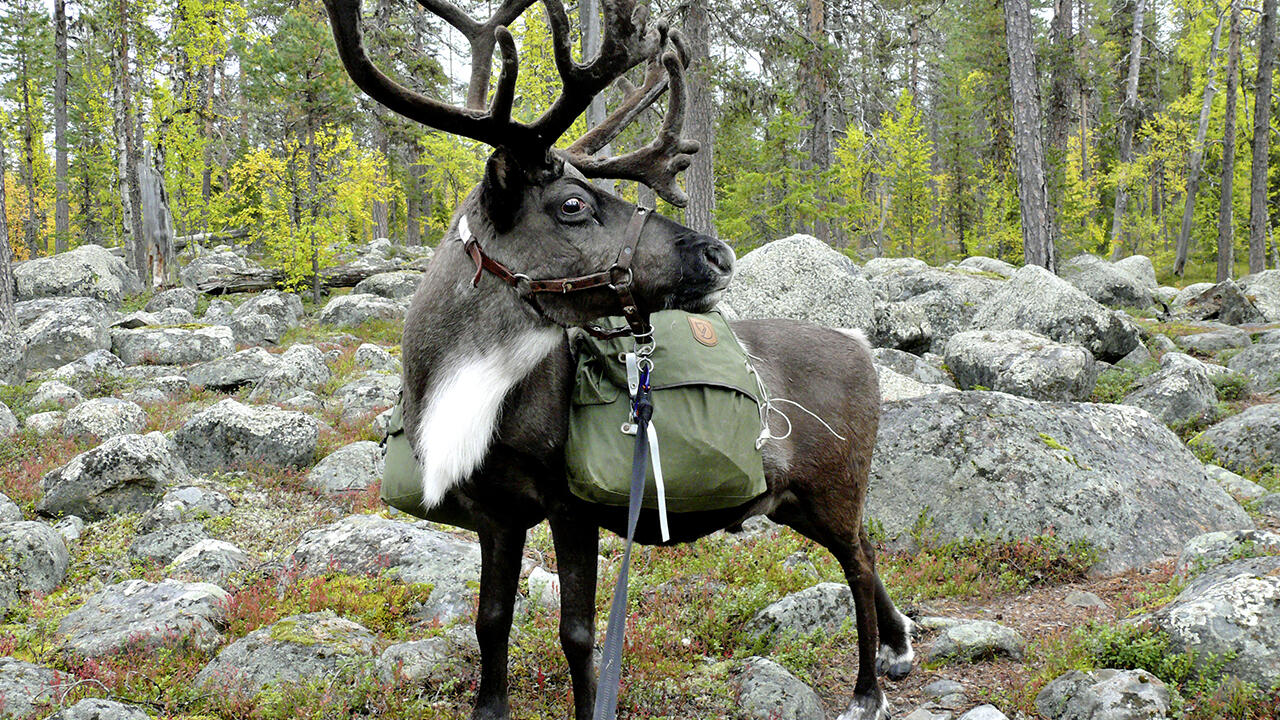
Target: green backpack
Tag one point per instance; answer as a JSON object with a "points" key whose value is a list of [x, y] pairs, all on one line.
{"points": [[707, 412]]}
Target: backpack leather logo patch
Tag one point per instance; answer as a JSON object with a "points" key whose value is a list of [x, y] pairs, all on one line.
{"points": [[703, 331]]}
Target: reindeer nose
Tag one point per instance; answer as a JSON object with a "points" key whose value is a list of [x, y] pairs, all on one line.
{"points": [[717, 254]]}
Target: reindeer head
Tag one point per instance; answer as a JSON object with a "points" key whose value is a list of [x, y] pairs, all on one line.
{"points": [[536, 213]]}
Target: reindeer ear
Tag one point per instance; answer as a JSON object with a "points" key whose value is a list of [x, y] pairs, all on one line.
{"points": [[505, 182]]}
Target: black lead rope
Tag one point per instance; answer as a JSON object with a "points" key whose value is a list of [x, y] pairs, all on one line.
{"points": [[611, 660]]}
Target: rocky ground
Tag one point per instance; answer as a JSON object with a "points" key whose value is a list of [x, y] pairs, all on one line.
{"points": [[1076, 495]]}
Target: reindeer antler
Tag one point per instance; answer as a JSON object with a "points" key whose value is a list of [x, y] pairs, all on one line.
{"points": [[626, 43]]}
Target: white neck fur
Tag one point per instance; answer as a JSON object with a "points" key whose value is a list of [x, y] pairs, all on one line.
{"points": [[463, 408]]}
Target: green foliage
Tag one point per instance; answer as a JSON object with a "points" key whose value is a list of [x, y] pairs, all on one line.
{"points": [[908, 153], [1116, 382]]}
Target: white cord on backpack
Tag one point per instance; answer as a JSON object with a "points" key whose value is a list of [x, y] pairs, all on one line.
{"points": [[656, 459]]}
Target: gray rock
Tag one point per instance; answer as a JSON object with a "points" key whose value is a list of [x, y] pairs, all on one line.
{"points": [[1140, 268], [46, 423], [947, 298], [1261, 364], [977, 640], [802, 278], [301, 367], [291, 651], [266, 317], [902, 325], [942, 688], [183, 505], [211, 266], [1038, 301], [247, 367], [1006, 466], [352, 467], [98, 709], [33, 558], [9, 510], [1231, 608], [393, 285], [218, 313], [988, 265], [56, 339], [305, 400], [1175, 394], [136, 614], [127, 473], [432, 661], [766, 691], [1215, 338], [1248, 442], [140, 318], [984, 712], [926, 713], [894, 386], [876, 267], [1205, 551], [1263, 290], [162, 546], [1183, 360], [70, 528], [29, 311], [825, 606], [8, 423], [12, 348], [1269, 505], [368, 545], [352, 310], [87, 271], [172, 346], [209, 561], [1106, 283], [56, 392], [913, 366], [1084, 599], [373, 357], [232, 435], [1223, 302], [28, 689], [1139, 357], [97, 364], [372, 392], [103, 418], [160, 390], [1229, 481], [180, 298], [1021, 363]]}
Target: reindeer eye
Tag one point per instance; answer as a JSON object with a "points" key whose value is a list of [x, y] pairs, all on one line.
{"points": [[573, 207]]}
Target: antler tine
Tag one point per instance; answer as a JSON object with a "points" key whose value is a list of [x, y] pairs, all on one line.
{"points": [[636, 100], [480, 36], [658, 163]]}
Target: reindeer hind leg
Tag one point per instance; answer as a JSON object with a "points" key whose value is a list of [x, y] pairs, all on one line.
{"points": [[896, 657]]}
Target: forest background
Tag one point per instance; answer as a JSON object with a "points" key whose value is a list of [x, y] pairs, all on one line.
{"points": [[884, 127]]}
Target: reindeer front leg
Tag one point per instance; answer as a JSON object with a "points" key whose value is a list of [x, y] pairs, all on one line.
{"points": [[577, 545], [501, 550]]}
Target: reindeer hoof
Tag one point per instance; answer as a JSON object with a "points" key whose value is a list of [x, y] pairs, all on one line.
{"points": [[867, 707], [893, 664]]}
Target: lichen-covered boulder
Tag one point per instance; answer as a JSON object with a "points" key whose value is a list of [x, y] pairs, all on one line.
{"points": [[9, 510], [87, 271], [1224, 302], [988, 265], [301, 367], [1248, 442], [369, 545], [180, 297], [352, 467], [1021, 363], [127, 473], [172, 346], [1178, 392], [231, 435], [1001, 465], [161, 546], [394, 285], [766, 691], [85, 369], [266, 317], [1230, 609], [352, 310], [1038, 301], [1104, 695], [974, 640], [136, 614], [373, 357], [1261, 364], [33, 559], [825, 606], [1106, 283], [104, 418], [209, 560], [28, 689], [924, 307], [291, 651], [1263, 290], [246, 367], [55, 339], [12, 348], [1140, 268], [8, 422], [1205, 551], [913, 366], [212, 265], [1210, 337], [896, 386], [99, 709], [371, 392], [430, 661], [56, 392], [802, 278]]}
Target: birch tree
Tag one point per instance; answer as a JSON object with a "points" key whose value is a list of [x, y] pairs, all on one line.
{"points": [[1196, 162], [1259, 219], [1226, 219], [1128, 120]]}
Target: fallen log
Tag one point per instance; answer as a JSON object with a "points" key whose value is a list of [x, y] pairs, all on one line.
{"points": [[180, 242], [264, 279]]}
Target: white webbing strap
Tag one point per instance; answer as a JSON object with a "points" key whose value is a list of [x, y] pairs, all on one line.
{"points": [[656, 459]]}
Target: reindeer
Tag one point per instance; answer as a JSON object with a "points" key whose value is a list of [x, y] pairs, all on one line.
{"points": [[487, 366]]}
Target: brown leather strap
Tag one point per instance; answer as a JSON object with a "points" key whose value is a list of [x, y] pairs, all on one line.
{"points": [[618, 278]]}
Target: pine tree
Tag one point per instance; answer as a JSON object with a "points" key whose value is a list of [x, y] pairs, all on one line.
{"points": [[908, 156]]}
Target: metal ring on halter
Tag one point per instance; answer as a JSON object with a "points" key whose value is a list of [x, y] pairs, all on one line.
{"points": [[616, 269]]}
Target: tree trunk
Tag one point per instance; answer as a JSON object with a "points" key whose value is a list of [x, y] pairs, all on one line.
{"points": [[1196, 162], [1061, 71], [135, 243], [1226, 221], [1028, 148], [1128, 119], [7, 323], [1258, 215], [820, 103], [62, 203], [32, 222], [700, 180]]}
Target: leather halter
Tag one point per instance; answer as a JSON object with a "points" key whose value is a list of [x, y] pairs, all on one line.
{"points": [[617, 278]]}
